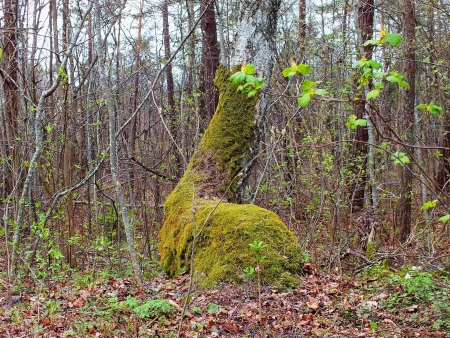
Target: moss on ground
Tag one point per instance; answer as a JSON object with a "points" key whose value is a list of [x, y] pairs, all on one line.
{"points": [[203, 199]]}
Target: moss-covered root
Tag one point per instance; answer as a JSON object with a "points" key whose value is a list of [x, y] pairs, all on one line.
{"points": [[222, 246]]}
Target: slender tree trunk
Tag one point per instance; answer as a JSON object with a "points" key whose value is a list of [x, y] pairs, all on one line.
{"points": [[210, 62], [10, 89], [301, 28], [365, 23], [404, 206]]}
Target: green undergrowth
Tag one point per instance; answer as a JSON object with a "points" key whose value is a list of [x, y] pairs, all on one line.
{"points": [[419, 296], [202, 203]]}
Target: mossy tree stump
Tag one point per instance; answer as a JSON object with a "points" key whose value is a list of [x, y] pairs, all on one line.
{"points": [[202, 205]]}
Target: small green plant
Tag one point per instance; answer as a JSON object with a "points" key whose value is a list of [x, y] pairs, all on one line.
{"points": [[52, 308], [246, 81], [153, 308], [373, 326], [249, 271], [148, 309], [212, 308]]}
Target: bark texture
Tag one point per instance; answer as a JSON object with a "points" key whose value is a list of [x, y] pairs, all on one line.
{"points": [[255, 44], [365, 22], [210, 62], [404, 206]]}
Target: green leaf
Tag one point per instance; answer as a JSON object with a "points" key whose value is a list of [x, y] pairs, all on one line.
{"points": [[237, 77], [428, 205], [55, 253], [372, 42], [359, 63], [374, 64], [400, 158], [444, 219], [379, 85], [373, 94], [307, 84], [304, 100], [377, 75], [304, 69], [240, 88], [422, 106], [249, 69], [196, 309], [368, 73], [251, 93], [404, 84], [393, 79], [435, 109], [394, 39], [320, 92], [260, 85], [212, 308], [288, 72], [249, 271], [360, 122]]}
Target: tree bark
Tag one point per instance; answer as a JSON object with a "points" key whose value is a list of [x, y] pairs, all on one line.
{"points": [[301, 28], [255, 44], [10, 90], [365, 23], [210, 62], [404, 206]]}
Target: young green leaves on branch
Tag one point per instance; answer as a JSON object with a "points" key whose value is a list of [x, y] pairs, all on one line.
{"points": [[309, 88], [432, 204], [246, 81], [353, 122], [430, 108], [385, 36]]}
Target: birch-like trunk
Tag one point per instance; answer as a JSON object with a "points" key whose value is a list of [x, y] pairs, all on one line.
{"points": [[255, 44]]}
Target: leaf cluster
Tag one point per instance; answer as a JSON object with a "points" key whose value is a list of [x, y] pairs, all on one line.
{"points": [[309, 88], [246, 81]]}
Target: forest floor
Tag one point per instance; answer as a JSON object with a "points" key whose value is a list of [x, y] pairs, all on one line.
{"points": [[410, 303]]}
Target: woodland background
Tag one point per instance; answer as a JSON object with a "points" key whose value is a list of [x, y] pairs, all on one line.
{"points": [[103, 103]]}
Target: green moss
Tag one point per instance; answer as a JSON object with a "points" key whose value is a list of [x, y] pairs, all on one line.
{"points": [[222, 247], [370, 251]]}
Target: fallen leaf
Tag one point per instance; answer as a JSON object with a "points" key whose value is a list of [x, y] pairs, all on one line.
{"points": [[313, 305]]}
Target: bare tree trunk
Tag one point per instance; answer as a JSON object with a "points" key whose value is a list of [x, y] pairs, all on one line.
{"points": [[365, 22], [210, 62], [255, 44], [301, 28], [404, 206], [10, 90]]}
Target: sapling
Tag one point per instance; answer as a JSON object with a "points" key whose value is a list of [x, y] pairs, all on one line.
{"points": [[249, 271]]}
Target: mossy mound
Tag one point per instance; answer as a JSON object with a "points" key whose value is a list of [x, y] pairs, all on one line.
{"points": [[202, 199]]}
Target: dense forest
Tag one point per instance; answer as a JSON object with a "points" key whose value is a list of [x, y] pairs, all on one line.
{"points": [[150, 150]]}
